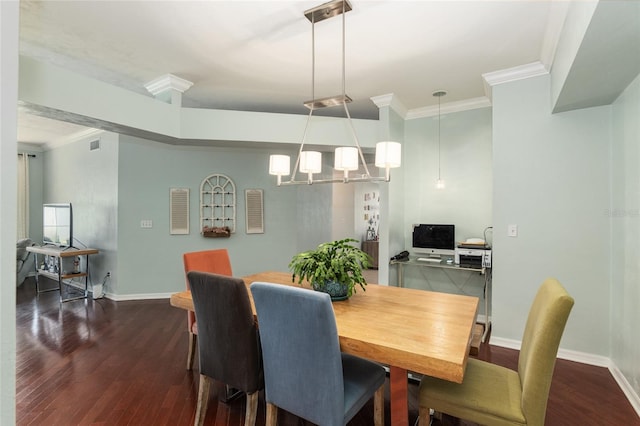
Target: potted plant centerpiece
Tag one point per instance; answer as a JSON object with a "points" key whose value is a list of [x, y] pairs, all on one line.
{"points": [[334, 268]]}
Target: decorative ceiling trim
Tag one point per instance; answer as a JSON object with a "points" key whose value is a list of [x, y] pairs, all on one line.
{"points": [[390, 100], [521, 72], [168, 82], [459, 106]]}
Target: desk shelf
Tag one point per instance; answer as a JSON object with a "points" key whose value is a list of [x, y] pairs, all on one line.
{"points": [[64, 276], [57, 254]]}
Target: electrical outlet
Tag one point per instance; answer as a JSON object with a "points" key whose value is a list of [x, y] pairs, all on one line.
{"points": [[146, 223]]}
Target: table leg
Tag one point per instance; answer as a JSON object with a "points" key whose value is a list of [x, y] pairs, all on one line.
{"points": [[399, 396]]}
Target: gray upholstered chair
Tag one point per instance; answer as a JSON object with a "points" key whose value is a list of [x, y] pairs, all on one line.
{"points": [[215, 261], [305, 372], [229, 343], [494, 395], [24, 260]]}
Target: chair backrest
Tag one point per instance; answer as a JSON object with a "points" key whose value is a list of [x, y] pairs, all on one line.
{"points": [[301, 352], [545, 324], [214, 261], [229, 345]]}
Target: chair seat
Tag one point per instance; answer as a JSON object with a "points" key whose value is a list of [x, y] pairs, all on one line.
{"points": [[491, 395], [360, 377]]}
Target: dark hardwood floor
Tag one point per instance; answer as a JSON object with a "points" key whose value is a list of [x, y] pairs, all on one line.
{"points": [[106, 363]]}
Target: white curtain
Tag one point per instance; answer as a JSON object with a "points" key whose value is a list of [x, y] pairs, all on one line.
{"points": [[23, 195]]}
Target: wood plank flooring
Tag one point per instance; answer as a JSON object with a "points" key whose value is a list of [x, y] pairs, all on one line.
{"points": [[123, 363]]}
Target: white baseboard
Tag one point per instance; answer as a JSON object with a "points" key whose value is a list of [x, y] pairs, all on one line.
{"points": [[585, 358], [140, 296], [626, 387]]}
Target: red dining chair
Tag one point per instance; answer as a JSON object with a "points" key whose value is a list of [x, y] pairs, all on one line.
{"points": [[214, 261]]}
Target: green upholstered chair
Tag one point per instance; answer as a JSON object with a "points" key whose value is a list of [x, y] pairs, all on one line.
{"points": [[494, 395]]}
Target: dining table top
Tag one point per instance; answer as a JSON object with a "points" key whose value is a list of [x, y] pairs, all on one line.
{"points": [[420, 331]]}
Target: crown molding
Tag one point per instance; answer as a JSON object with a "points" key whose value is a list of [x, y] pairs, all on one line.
{"points": [[521, 72], [447, 108], [168, 82], [390, 100], [76, 137]]}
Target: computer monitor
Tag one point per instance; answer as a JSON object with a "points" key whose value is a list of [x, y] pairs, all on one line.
{"points": [[57, 224], [434, 240]]}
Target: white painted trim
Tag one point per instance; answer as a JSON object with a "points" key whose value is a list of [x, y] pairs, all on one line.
{"points": [[390, 100], [585, 358], [140, 296], [626, 387], [458, 106], [521, 72], [168, 82]]}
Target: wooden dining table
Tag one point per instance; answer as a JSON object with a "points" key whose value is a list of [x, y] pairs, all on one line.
{"points": [[408, 330]]}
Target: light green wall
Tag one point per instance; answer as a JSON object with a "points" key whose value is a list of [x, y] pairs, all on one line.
{"points": [[88, 180], [150, 260], [466, 168], [624, 219], [465, 144], [551, 178]]}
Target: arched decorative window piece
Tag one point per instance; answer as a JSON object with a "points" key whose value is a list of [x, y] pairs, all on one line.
{"points": [[217, 206]]}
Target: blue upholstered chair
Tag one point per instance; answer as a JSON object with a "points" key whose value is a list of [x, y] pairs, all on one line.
{"points": [[229, 343], [495, 395], [305, 372]]}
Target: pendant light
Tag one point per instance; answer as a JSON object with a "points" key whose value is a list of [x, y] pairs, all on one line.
{"points": [[388, 153], [439, 94]]}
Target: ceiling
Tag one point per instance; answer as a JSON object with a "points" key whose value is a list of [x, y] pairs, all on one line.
{"points": [[256, 55]]}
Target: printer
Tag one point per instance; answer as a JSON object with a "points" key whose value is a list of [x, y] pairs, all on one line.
{"points": [[473, 257]]}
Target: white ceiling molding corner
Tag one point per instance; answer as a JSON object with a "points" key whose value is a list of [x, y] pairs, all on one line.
{"points": [[512, 74], [392, 101], [168, 82]]}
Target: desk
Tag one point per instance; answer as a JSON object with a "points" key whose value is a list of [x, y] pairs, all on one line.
{"points": [[413, 262], [409, 330], [58, 274]]}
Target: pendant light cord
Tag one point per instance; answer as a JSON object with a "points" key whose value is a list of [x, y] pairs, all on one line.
{"points": [[439, 116]]}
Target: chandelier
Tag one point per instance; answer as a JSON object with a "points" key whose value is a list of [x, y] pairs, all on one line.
{"points": [[346, 158]]}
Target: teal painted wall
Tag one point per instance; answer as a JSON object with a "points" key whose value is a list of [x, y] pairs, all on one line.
{"points": [[150, 260], [89, 180], [551, 179], [466, 200], [624, 219]]}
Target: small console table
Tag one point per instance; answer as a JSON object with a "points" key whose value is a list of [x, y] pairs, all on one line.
{"points": [[414, 262], [57, 273]]}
